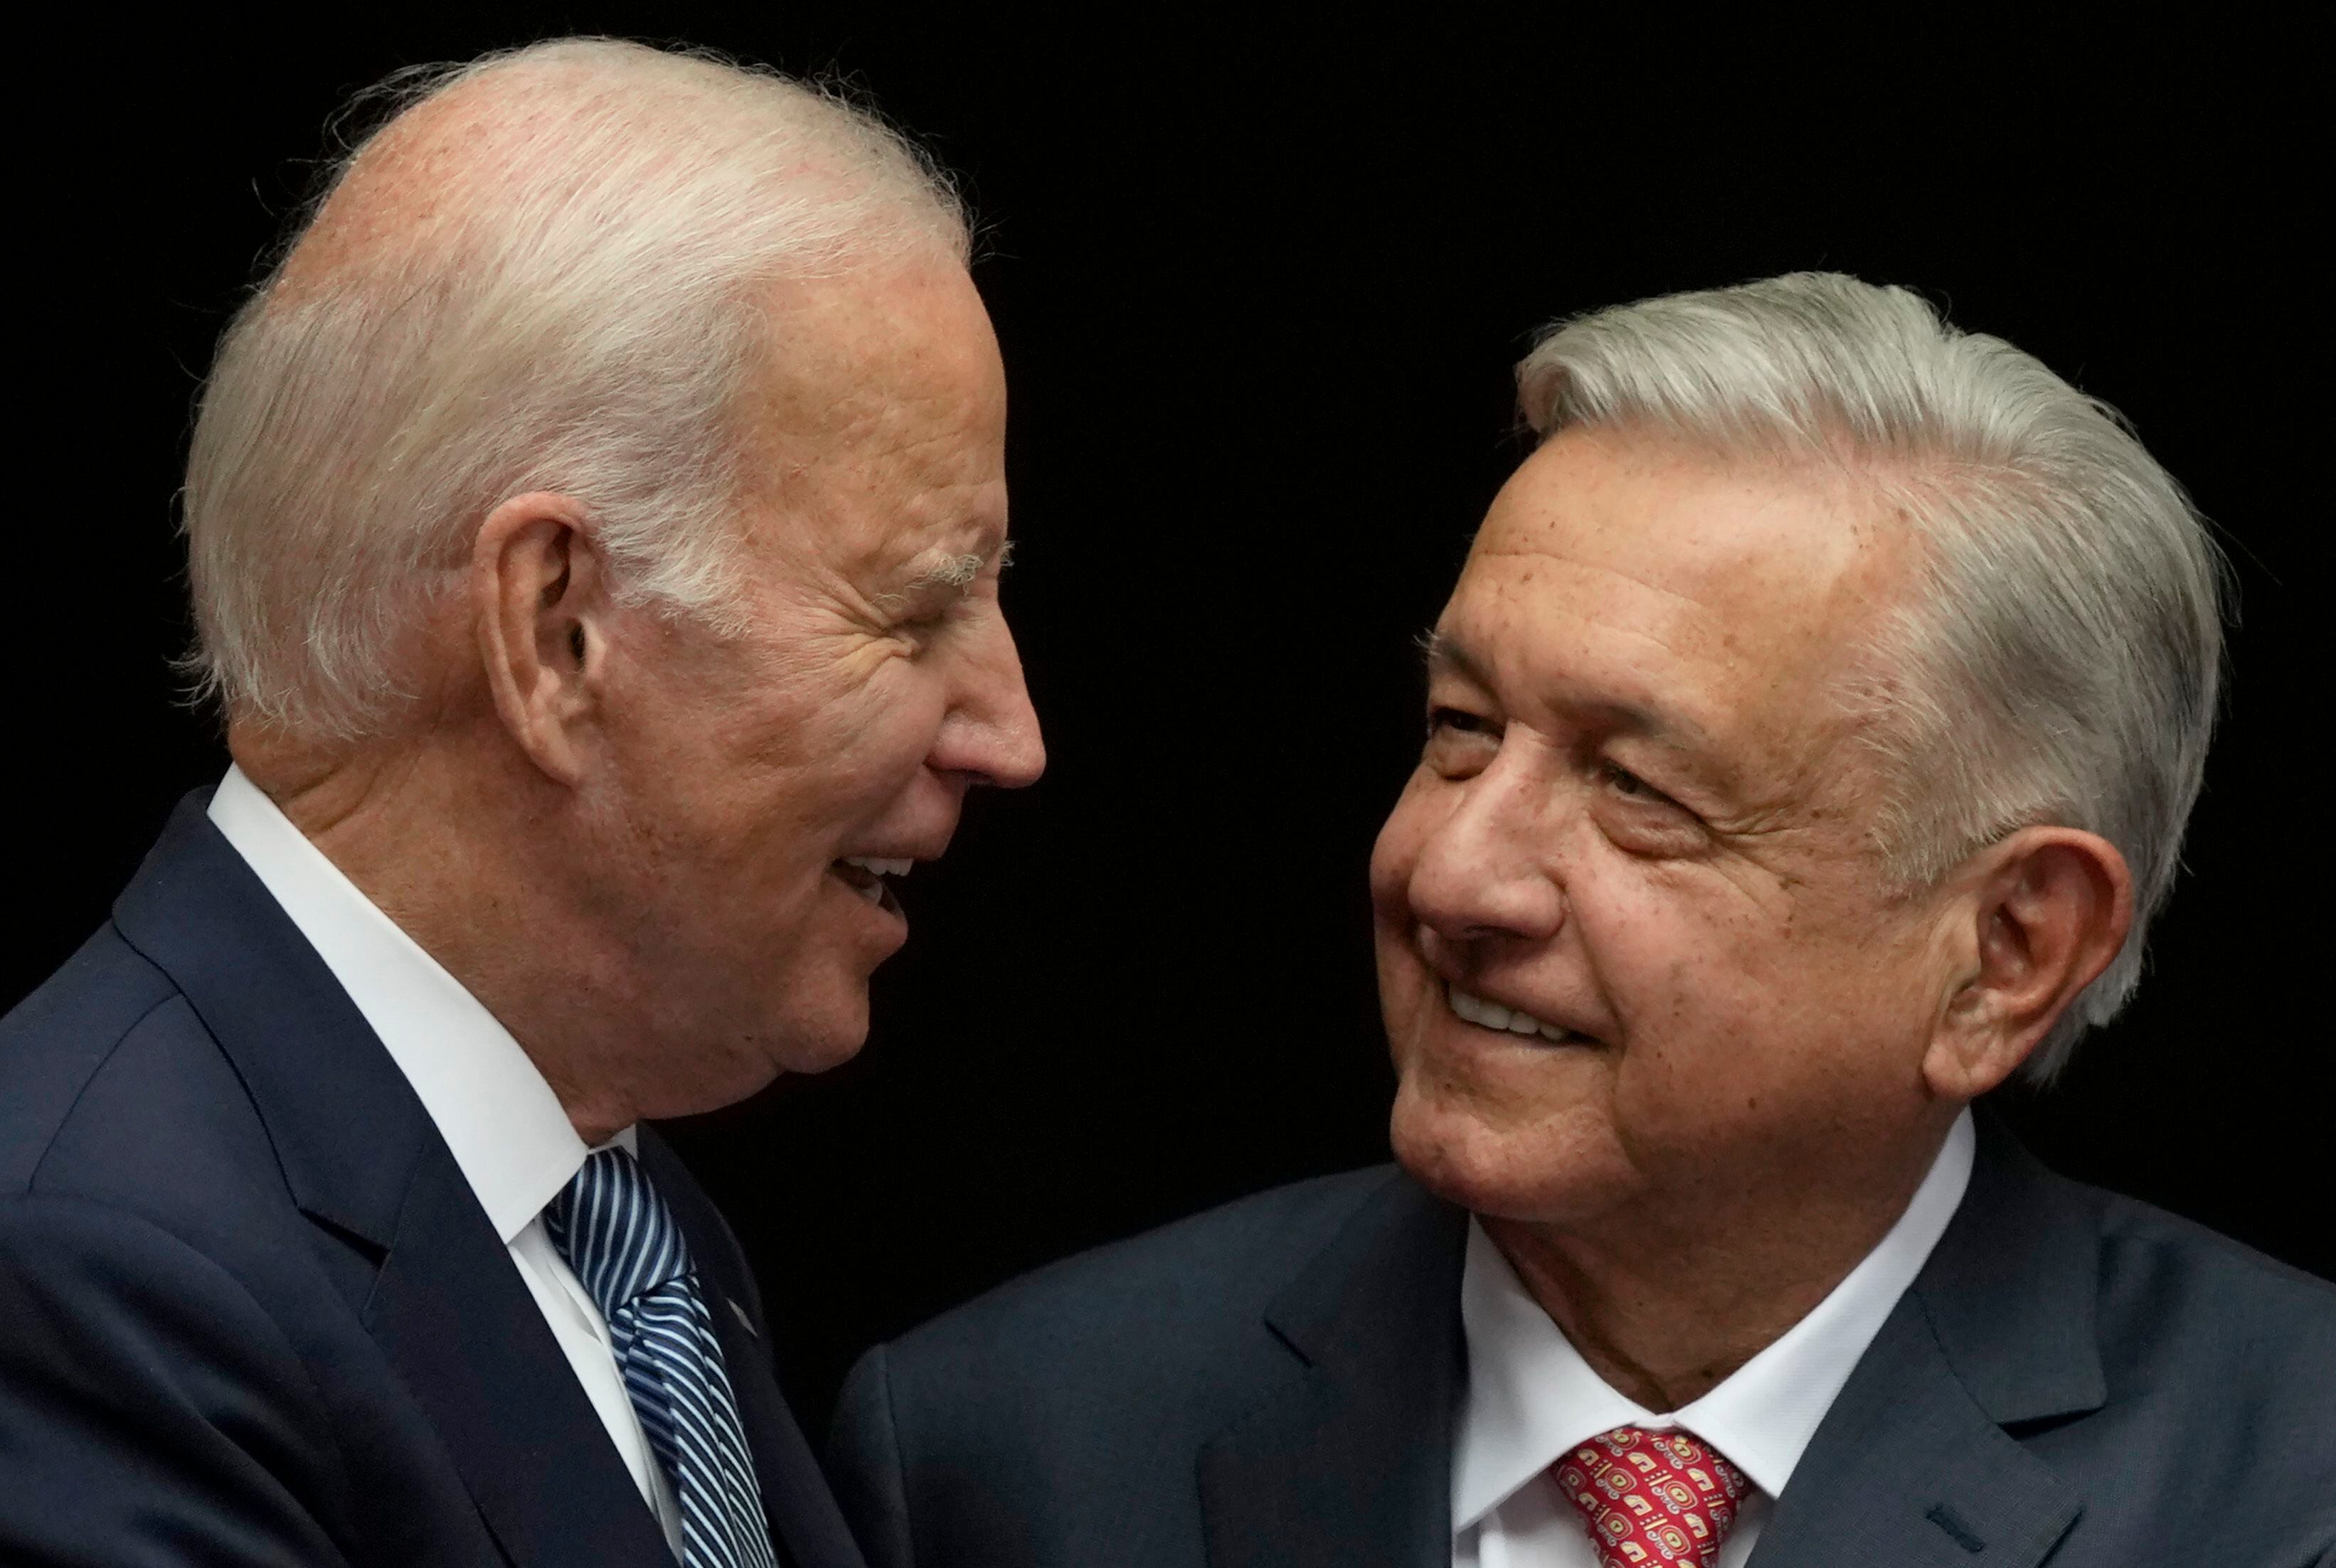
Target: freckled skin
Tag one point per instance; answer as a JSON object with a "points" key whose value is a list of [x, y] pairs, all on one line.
{"points": [[629, 853], [1701, 900], [849, 718]]}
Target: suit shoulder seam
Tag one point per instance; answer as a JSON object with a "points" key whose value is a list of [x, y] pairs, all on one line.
{"points": [[2135, 1222], [96, 1069]]}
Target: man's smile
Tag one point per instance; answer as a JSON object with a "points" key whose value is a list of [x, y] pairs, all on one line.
{"points": [[1484, 1013], [871, 877]]}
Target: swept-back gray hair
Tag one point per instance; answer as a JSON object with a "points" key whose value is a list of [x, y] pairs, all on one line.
{"points": [[569, 302], [2059, 663]]}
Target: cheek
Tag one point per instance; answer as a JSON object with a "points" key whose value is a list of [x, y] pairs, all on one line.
{"points": [[735, 800], [1737, 1015], [1547, 1150], [1687, 980], [826, 764], [1675, 949]]}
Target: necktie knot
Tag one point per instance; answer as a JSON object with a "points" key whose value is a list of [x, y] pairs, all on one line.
{"points": [[1651, 1498], [615, 1232]]}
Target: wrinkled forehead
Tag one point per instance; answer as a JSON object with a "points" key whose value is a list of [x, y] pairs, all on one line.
{"points": [[1649, 572], [895, 355], [883, 413]]}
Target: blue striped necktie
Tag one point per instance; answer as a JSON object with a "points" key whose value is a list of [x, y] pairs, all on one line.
{"points": [[621, 1240]]}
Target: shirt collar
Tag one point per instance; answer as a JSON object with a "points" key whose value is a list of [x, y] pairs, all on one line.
{"points": [[500, 1120], [1533, 1399]]}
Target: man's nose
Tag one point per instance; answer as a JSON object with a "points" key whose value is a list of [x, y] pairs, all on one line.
{"points": [[991, 735], [1484, 871]]}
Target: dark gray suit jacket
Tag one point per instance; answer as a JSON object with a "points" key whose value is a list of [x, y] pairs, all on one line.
{"points": [[251, 1313], [2075, 1379]]}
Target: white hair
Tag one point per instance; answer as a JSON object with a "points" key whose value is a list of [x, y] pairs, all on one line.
{"points": [[2059, 663], [573, 301]]}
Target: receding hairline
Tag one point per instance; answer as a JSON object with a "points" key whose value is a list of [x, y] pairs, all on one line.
{"points": [[459, 132], [498, 289]]}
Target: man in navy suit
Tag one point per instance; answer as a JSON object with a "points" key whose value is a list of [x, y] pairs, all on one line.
{"points": [[1809, 738], [595, 524]]}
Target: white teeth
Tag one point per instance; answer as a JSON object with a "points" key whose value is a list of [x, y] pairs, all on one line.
{"points": [[878, 870], [1487, 1014]]}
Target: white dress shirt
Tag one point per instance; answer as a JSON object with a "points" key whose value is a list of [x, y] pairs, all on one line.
{"points": [[1532, 1398], [505, 1127]]}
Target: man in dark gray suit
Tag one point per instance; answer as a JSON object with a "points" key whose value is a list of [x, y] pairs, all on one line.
{"points": [[1810, 739]]}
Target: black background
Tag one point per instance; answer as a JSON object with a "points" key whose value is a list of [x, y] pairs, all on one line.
{"points": [[1260, 286]]}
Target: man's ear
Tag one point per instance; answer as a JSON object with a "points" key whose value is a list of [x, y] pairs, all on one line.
{"points": [[539, 596], [2049, 908]]}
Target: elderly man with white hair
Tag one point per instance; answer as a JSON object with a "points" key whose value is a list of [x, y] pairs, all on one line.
{"points": [[1809, 741], [595, 522]]}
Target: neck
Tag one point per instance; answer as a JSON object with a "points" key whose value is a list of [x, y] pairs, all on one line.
{"points": [[435, 838], [1665, 1314]]}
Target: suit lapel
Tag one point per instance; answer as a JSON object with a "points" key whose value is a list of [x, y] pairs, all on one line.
{"points": [[1906, 1470], [1348, 1463], [1913, 1463], [361, 1157], [806, 1523], [453, 1315]]}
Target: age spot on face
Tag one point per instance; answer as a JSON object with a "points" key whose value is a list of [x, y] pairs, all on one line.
{"points": [[1649, 836]]}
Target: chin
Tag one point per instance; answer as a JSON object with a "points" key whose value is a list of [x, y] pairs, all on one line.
{"points": [[1557, 1168], [823, 1052], [797, 1043], [760, 1050]]}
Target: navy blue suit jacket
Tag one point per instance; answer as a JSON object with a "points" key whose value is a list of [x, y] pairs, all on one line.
{"points": [[249, 1311], [2075, 1379]]}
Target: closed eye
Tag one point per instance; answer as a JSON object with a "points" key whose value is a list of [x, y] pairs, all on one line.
{"points": [[1458, 719], [933, 607], [1631, 786]]}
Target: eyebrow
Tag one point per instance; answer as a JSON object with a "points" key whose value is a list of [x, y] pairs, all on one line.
{"points": [[1442, 654], [1445, 656], [958, 572]]}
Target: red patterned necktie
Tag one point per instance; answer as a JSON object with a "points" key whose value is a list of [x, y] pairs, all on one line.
{"points": [[1651, 1499]]}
